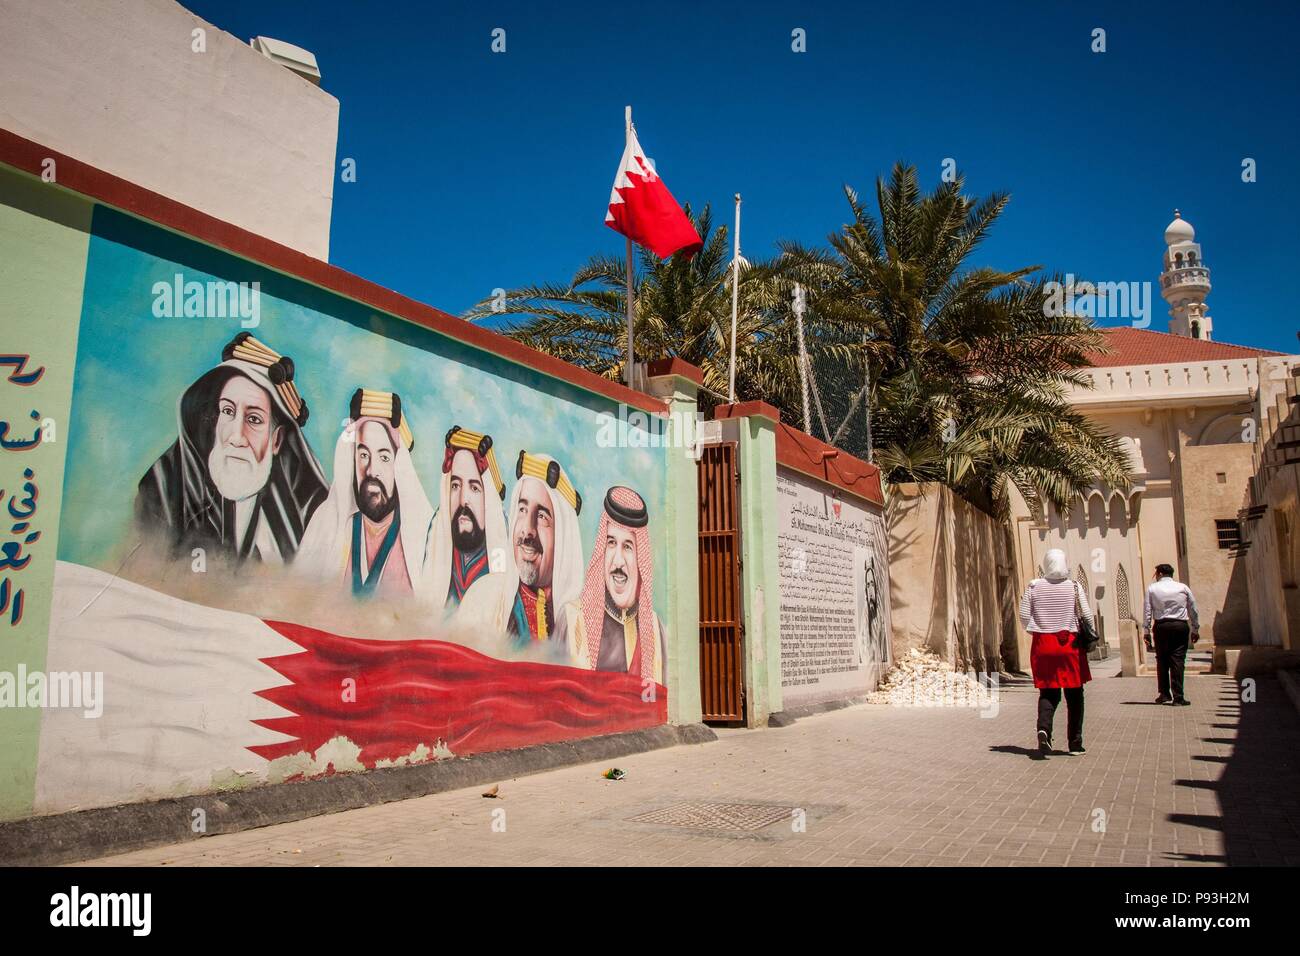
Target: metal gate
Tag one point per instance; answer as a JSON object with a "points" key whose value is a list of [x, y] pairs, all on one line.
{"points": [[721, 658]]}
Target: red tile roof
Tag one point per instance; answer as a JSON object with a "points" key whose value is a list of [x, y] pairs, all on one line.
{"points": [[1130, 346]]}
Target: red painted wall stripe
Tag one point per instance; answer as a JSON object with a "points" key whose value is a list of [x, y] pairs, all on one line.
{"points": [[811, 456], [801, 452]]}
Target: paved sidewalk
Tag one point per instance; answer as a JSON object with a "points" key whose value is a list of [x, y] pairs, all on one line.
{"points": [[1214, 783]]}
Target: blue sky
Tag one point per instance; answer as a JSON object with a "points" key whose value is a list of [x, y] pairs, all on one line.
{"points": [[478, 170]]}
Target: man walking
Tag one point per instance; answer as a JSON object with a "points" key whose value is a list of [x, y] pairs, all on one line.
{"points": [[1171, 608]]}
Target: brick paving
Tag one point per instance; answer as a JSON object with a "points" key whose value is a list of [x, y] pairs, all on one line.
{"points": [[1211, 784]]}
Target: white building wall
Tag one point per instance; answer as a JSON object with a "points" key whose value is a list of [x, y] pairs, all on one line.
{"points": [[1167, 414], [117, 84]]}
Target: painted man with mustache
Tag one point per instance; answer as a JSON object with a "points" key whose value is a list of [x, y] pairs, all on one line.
{"points": [[373, 533], [240, 481], [613, 626], [546, 544], [469, 530]]}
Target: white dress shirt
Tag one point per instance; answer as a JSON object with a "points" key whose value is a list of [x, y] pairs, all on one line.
{"points": [[1170, 600]]}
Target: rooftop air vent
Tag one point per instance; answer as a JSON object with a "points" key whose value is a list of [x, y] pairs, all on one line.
{"points": [[290, 57]]}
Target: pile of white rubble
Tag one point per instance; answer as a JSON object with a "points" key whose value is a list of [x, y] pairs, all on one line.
{"points": [[923, 679]]}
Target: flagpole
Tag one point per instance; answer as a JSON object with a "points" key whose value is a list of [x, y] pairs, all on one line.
{"points": [[802, 358], [631, 304], [866, 393], [735, 306]]}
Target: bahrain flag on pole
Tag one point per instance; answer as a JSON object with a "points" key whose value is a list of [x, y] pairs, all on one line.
{"points": [[642, 208]]}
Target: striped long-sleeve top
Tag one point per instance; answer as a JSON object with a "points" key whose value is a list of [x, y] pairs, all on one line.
{"points": [[1048, 607]]}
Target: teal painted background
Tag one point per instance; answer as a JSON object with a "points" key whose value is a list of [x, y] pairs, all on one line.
{"points": [[132, 368]]}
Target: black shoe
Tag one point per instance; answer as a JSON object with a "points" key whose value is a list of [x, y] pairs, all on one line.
{"points": [[1077, 749], [1162, 699], [1182, 702], [1044, 743]]}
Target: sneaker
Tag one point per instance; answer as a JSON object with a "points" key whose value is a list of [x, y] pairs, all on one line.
{"points": [[1162, 699], [1182, 702], [1044, 743], [1077, 749]]}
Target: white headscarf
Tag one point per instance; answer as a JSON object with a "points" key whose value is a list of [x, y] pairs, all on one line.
{"points": [[327, 546], [1054, 566], [494, 526]]}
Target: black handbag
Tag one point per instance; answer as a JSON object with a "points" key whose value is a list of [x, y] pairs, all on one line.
{"points": [[1086, 639]]}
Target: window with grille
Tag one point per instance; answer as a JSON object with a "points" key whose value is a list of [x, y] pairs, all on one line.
{"points": [[1229, 533], [1123, 599]]}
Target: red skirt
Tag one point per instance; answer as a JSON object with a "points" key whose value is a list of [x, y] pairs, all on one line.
{"points": [[1056, 662]]}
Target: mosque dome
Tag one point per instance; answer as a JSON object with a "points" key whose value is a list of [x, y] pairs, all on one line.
{"points": [[1180, 230]]}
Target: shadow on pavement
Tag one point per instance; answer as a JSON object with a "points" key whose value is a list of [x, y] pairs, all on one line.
{"points": [[1259, 787], [1031, 752]]}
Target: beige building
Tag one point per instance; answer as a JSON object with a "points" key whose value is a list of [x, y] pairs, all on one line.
{"points": [[1271, 538], [149, 92], [952, 580], [1189, 410]]}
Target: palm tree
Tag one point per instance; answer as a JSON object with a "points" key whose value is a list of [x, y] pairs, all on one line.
{"points": [[969, 371], [683, 309]]}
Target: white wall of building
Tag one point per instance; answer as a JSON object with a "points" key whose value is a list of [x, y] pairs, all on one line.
{"points": [[1185, 426], [118, 84]]}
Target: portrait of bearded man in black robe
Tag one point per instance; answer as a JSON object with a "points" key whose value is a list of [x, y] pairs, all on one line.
{"points": [[240, 480]]}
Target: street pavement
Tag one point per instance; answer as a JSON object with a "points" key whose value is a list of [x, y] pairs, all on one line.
{"points": [[1215, 783]]}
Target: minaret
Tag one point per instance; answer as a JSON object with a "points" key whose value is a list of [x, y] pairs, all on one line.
{"points": [[1185, 282]]}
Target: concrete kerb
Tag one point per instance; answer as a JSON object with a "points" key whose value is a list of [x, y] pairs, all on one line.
{"points": [[789, 715], [1252, 660], [86, 834]]}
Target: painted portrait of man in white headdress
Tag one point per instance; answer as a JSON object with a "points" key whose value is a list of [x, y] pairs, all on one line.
{"points": [[546, 546], [373, 533], [469, 530]]}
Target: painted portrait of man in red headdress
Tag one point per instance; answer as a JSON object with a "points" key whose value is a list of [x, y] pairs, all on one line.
{"points": [[613, 626]]}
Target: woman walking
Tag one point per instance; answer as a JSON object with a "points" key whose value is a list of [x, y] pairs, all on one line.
{"points": [[1050, 609]]}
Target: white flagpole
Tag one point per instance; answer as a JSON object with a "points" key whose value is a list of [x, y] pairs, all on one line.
{"points": [[866, 394], [803, 362], [735, 306], [631, 305]]}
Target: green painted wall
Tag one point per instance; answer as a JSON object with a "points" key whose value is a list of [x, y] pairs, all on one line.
{"points": [[681, 549], [760, 581], [44, 234]]}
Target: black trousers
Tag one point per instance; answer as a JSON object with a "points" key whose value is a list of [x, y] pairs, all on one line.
{"points": [[1049, 698], [1171, 655]]}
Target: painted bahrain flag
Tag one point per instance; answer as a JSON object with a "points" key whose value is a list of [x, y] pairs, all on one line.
{"points": [[642, 208]]}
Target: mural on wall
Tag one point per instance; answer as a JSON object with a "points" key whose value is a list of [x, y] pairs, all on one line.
{"points": [[21, 504], [613, 626], [260, 616], [373, 536], [833, 564], [545, 569], [240, 480], [471, 530], [872, 641]]}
